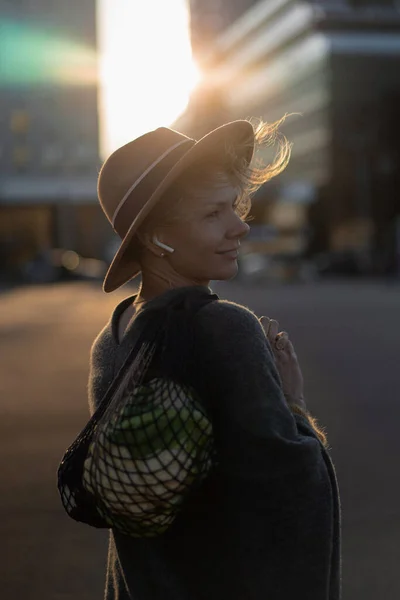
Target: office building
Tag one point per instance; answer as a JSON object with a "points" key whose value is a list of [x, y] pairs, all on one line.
{"points": [[337, 64], [49, 146]]}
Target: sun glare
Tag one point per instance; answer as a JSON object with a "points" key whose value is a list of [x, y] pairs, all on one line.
{"points": [[146, 67]]}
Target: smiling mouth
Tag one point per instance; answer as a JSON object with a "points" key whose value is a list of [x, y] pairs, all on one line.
{"points": [[230, 253]]}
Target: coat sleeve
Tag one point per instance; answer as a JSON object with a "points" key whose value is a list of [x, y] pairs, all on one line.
{"points": [[280, 502], [257, 433]]}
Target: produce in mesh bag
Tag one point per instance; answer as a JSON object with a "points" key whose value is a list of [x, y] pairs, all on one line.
{"points": [[148, 454]]}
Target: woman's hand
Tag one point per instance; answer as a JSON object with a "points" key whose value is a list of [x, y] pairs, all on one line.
{"points": [[286, 362]]}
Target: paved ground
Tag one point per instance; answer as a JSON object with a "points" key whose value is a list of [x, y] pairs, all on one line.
{"points": [[347, 339]]}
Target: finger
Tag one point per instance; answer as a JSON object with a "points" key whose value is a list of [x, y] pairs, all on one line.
{"points": [[286, 347], [290, 349], [265, 322], [272, 330], [282, 340]]}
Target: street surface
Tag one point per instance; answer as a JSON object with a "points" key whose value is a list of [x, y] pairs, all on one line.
{"points": [[347, 339]]}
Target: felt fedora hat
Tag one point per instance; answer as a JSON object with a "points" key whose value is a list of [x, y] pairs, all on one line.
{"points": [[134, 177]]}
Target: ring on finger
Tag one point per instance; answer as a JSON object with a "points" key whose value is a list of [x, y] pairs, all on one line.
{"points": [[279, 346], [280, 349], [281, 341]]}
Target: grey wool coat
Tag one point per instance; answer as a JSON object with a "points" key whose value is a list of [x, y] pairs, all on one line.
{"points": [[266, 524]]}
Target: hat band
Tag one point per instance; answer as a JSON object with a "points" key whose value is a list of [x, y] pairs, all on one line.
{"points": [[138, 194]]}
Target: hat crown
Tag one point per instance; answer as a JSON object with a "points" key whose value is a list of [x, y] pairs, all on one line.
{"points": [[135, 160]]}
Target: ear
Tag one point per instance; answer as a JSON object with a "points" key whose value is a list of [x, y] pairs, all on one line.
{"points": [[146, 239]]}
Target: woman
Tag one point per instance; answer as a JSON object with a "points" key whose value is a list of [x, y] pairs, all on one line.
{"points": [[266, 523]]}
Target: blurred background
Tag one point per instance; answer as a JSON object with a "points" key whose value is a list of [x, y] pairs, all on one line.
{"points": [[79, 79]]}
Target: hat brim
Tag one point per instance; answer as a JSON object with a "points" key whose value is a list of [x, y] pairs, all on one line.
{"points": [[122, 268]]}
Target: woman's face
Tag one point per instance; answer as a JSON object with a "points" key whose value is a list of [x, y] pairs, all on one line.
{"points": [[207, 228]]}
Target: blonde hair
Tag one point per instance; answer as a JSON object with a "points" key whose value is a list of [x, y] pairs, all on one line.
{"points": [[218, 171]]}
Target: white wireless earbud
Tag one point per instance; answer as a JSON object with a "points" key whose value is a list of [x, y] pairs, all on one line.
{"points": [[157, 242]]}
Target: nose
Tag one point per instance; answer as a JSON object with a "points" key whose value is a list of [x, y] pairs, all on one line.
{"points": [[240, 229], [245, 229]]}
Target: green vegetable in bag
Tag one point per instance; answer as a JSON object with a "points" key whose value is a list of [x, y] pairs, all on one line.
{"points": [[148, 455]]}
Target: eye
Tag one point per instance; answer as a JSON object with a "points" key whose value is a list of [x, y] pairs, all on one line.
{"points": [[213, 214]]}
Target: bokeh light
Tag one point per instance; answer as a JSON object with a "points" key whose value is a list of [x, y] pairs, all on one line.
{"points": [[32, 54], [146, 67]]}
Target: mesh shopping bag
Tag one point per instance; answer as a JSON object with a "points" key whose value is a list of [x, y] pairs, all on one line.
{"points": [[147, 454], [146, 447]]}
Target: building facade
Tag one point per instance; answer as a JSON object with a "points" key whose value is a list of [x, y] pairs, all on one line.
{"points": [[49, 130], [333, 67], [209, 18]]}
